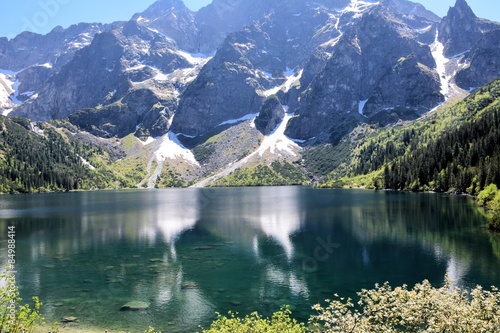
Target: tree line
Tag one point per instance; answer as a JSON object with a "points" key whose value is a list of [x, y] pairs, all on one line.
{"points": [[31, 162]]}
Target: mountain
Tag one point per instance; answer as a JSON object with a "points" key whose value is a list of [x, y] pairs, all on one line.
{"points": [[244, 84], [172, 19], [28, 60], [453, 150], [363, 78], [114, 72], [460, 30]]}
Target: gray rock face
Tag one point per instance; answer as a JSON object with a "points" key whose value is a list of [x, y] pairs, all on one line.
{"points": [[105, 71], [412, 11], [460, 30], [56, 48], [484, 62], [93, 74], [250, 62], [172, 19], [367, 66], [225, 89], [410, 85], [35, 58], [271, 114], [32, 80], [223, 17], [119, 119]]}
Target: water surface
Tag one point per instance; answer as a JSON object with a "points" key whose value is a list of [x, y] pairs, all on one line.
{"points": [[192, 252]]}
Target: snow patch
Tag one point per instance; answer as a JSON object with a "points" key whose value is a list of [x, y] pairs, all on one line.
{"points": [[267, 74], [142, 19], [194, 58], [160, 33], [460, 54], [135, 68], [437, 50], [426, 29], [358, 7], [46, 65], [148, 141], [172, 148], [186, 135], [361, 106], [87, 163], [245, 47], [28, 93], [291, 79], [161, 77], [9, 86], [249, 116], [278, 141]]}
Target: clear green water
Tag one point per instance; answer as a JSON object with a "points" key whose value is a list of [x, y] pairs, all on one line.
{"points": [[192, 252]]}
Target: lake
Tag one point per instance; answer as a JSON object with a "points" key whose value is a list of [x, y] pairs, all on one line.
{"points": [[189, 253]]}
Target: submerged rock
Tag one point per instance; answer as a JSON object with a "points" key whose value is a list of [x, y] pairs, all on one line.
{"points": [[69, 319], [204, 248], [156, 260], [135, 306], [189, 286]]}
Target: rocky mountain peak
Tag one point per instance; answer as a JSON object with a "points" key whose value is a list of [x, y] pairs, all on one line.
{"points": [[411, 9], [460, 29], [161, 8], [172, 19], [461, 11]]}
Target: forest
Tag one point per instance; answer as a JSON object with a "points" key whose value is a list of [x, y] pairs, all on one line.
{"points": [[38, 158], [456, 149]]}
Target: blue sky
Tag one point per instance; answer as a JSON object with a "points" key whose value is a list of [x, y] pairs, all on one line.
{"points": [[42, 15]]}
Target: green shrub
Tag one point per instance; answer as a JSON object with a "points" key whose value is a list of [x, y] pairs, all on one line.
{"points": [[494, 213], [254, 323], [486, 196], [14, 317], [421, 309]]}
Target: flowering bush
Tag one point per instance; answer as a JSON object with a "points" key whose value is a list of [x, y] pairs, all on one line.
{"points": [[421, 309]]}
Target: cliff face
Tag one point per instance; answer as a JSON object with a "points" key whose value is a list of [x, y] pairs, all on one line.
{"points": [[377, 65], [333, 63]]}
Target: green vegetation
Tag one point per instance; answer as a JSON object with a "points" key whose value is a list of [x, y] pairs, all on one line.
{"points": [[456, 149], [276, 174], [169, 178], [490, 199], [421, 309], [14, 317], [31, 162], [280, 322], [494, 214], [322, 160], [486, 196], [385, 309], [203, 152]]}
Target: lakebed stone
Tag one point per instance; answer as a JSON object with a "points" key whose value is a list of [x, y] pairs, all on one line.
{"points": [[135, 306], [69, 319]]}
